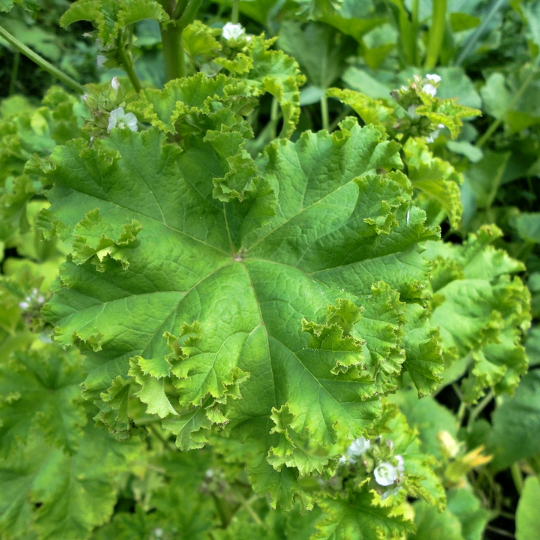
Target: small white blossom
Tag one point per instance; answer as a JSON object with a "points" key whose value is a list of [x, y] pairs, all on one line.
{"points": [[24, 305], [115, 83], [441, 126], [100, 60], [433, 78], [158, 532], [357, 448], [385, 474], [233, 31], [429, 89], [84, 97], [401, 463], [33, 298], [119, 119], [209, 473]]}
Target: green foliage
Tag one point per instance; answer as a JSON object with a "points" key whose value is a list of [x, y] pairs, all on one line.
{"points": [[261, 318]]}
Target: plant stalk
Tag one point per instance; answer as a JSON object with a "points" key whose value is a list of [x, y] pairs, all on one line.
{"points": [[127, 64], [235, 11], [324, 113], [41, 62], [173, 51], [517, 477], [436, 34]]}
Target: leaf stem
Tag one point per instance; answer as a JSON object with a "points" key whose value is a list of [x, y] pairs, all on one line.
{"points": [[480, 407], [517, 477], [162, 439], [235, 11], [493, 127], [324, 113], [127, 63], [436, 33], [179, 9], [14, 72], [41, 62]]}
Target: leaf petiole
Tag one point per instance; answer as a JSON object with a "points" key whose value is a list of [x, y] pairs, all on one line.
{"points": [[41, 62]]}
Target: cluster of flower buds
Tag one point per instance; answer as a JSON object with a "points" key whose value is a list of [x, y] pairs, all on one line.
{"points": [[410, 98], [235, 35], [33, 301], [106, 104], [376, 461]]}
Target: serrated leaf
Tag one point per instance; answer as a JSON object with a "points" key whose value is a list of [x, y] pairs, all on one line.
{"points": [[371, 111], [446, 112], [40, 391], [435, 178], [358, 516], [481, 311], [246, 278], [111, 16], [57, 495]]}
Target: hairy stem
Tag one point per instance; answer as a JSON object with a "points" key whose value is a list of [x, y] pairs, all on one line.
{"points": [[41, 62]]}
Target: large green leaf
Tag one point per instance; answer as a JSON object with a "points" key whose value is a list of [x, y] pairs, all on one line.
{"points": [[300, 280]]}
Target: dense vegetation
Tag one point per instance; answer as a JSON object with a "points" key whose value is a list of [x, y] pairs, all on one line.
{"points": [[270, 269]]}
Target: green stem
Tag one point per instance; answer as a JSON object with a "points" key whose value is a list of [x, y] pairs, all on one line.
{"points": [[244, 503], [179, 9], [436, 33], [173, 51], [324, 113], [339, 118], [14, 72], [517, 477], [162, 439], [480, 407], [127, 63], [274, 117], [41, 62], [223, 510], [189, 13], [493, 127], [235, 11]]}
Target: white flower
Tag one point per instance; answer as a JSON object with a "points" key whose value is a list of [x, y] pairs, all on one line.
{"points": [[115, 83], [119, 119], [158, 532], [429, 89], [401, 463], [385, 474], [24, 305], [84, 97], [434, 78], [100, 60], [232, 31], [441, 126], [357, 448]]}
